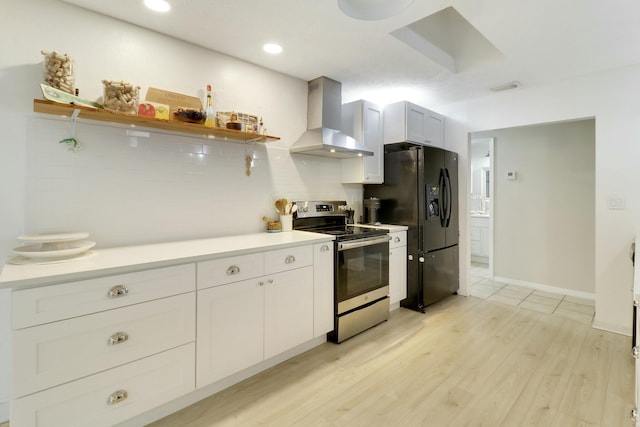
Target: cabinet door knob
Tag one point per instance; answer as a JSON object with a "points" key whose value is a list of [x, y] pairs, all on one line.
{"points": [[397, 239], [261, 283], [118, 291], [324, 248], [410, 257], [117, 397], [234, 269], [421, 259], [270, 281], [290, 259], [118, 338]]}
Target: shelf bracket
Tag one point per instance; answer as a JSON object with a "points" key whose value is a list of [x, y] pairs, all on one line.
{"points": [[72, 143]]}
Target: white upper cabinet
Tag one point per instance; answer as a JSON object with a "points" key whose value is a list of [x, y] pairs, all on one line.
{"points": [[364, 122], [407, 122]]}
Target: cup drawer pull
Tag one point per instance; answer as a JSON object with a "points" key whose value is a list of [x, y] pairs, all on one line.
{"points": [[117, 397], [290, 259], [234, 269], [118, 291], [118, 338]]}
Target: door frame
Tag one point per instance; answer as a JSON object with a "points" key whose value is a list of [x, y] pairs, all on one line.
{"points": [[492, 193]]}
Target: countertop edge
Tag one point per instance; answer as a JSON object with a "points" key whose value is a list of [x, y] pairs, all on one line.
{"points": [[127, 259]]}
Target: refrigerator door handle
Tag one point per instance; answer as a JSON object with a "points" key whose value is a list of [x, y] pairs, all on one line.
{"points": [[443, 204], [449, 204]]}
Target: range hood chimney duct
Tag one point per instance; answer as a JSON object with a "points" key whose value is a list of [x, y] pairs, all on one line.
{"points": [[324, 123]]}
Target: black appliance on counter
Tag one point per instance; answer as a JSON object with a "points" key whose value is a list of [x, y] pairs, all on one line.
{"points": [[420, 191], [361, 266]]}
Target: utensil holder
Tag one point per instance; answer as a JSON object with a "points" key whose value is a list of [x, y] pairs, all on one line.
{"points": [[287, 222]]}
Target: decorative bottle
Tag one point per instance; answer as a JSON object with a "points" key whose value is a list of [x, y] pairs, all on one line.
{"points": [[211, 114]]}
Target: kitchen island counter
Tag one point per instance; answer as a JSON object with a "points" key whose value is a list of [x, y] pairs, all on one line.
{"points": [[126, 259]]}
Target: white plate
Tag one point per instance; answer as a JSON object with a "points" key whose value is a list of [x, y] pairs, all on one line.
{"points": [[40, 252], [53, 237]]}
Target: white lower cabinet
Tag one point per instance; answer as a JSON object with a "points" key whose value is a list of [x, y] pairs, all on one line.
{"points": [[397, 266], [230, 329], [112, 396], [480, 238], [98, 352], [288, 310], [243, 323], [58, 352]]}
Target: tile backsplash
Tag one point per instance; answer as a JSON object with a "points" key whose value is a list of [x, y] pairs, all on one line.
{"points": [[128, 190]]}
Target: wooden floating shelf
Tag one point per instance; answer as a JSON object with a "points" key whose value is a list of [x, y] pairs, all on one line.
{"points": [[48, 107]]}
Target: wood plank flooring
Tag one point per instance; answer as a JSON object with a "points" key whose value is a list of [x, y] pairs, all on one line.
{"points": [[466, 362]]}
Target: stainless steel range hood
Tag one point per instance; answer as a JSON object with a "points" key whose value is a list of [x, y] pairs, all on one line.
{"points": [[324, 121]]}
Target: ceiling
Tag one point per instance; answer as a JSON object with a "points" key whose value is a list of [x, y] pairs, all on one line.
{"points": [[533, 42]]}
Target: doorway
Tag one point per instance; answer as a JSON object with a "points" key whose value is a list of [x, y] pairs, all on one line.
{"points": [[481, 208]]}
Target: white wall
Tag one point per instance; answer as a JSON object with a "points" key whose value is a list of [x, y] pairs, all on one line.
{"points": [[544, 221], [606, 97], [125, 192]]}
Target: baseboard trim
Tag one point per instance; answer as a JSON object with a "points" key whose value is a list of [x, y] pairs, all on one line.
{"points": [[610, 327], [4, 411], [546, 288]]}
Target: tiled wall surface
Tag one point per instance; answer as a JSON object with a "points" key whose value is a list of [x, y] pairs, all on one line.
{"points": [[128, 190]]}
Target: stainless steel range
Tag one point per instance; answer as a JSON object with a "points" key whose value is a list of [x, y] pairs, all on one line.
{"points": [[361, 266]]}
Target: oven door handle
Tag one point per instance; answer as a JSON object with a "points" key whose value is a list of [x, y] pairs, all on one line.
{"points": [[343, 246]]}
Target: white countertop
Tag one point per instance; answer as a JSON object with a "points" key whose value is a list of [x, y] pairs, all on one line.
{"points": [[133, 258], [389, 227]]}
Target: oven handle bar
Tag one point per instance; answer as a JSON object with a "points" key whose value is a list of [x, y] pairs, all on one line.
{"points": [[343, 246]]}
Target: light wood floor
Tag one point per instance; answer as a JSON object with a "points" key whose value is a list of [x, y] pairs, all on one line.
{"points": [[466, 362]]}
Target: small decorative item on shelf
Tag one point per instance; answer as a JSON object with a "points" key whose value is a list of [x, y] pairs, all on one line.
{"points": [[190, 115], [153, 109], [248, 122], [59, 71], [121, 96], [234, 123], [211, 114]]}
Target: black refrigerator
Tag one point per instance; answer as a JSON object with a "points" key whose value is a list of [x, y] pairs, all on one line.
{"points": [[420, 191]]}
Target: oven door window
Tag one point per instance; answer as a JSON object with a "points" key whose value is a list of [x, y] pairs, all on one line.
{"points": [[362, 269]]}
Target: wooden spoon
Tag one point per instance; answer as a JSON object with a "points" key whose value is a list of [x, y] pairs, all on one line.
{"points": [[279, 206]]}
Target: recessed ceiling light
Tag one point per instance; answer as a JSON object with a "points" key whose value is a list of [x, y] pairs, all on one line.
{"points": [[157, 5], [272, 48]]}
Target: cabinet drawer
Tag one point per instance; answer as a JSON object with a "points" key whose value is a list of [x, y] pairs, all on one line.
{"points": [[288, 259], [47, 355], [51, 303], [227, 270], [99, 400], [398, 238]]}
